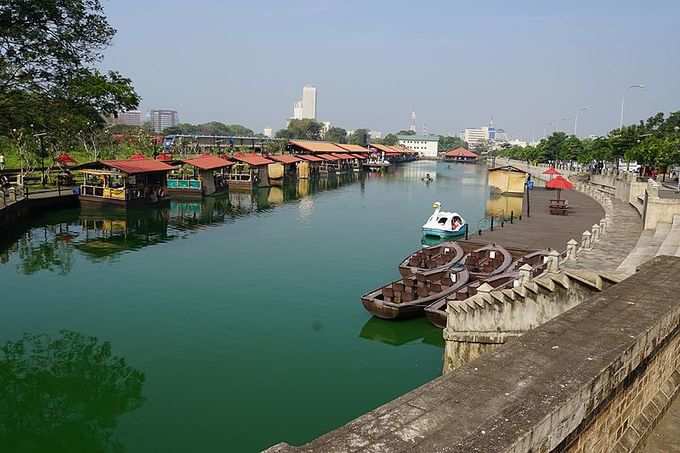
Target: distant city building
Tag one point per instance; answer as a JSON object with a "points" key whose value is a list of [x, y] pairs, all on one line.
{"points": [[517, 142], [376, 134], [325, 127], [130, 118], [412, 127], [268, 132], [305, 109], [297, 110], [309, 103], [475, 136], [425, 145], [163, 118]]}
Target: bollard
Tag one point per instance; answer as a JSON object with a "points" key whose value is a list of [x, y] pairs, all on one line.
{"points": [[571, 249], [491, 223], [596, 233], [585, 240], [479, 233], [525, 274], [553, 261], [466, 232], [512, 216]]}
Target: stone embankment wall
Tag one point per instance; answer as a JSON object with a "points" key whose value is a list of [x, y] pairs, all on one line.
{"points": [[594, 379]]}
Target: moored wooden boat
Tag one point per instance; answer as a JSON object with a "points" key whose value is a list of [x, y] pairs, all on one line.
{"points": [[432, 261], [408, 297], [436, 312]]}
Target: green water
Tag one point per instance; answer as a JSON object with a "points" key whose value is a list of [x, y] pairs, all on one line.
{"points": [[224, 325]]}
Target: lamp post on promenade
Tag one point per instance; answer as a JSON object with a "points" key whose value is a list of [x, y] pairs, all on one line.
{"points": [[623, 101]]}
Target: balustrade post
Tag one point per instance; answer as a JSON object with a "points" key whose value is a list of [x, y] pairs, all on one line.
{"points": [[596, 233], [603, 227], [524, 274], [571, 249], [585, 240], [553, 261]]}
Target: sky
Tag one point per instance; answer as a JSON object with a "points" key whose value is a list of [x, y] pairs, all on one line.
{"points": [[529, 65]]}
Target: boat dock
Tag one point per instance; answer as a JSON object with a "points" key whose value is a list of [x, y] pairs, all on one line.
{"points": [[542, 230]]}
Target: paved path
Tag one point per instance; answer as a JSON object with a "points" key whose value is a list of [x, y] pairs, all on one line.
{"points": [[621, 237], [666, 435], [543, 230]]}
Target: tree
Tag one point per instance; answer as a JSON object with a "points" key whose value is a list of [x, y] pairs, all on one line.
{"points": [[360, 137], [336, 135], [302, 129], [48, 52], [408, 132], [390, 139], [447, 143]]}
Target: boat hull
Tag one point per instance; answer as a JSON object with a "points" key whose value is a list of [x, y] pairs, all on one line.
{"points": [[445, 234]]}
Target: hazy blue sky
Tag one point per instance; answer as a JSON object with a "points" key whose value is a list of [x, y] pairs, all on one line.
{"points": [[526, 63]]}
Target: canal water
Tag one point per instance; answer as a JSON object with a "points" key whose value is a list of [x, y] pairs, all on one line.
{"points": [[228, 324]]}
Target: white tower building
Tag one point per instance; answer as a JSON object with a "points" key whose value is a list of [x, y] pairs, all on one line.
{"points": [[309, 102]]}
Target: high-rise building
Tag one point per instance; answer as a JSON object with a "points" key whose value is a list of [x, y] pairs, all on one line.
{"points": [[129, 118], [163, 118], [306, 108], [309, 102], [412, 127]]}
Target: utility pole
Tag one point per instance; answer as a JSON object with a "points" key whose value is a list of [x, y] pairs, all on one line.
{"points": [[623, 101]]}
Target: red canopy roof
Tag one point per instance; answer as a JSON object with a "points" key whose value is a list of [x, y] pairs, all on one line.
{"points": [[285, 158], [358, 156], [65, 158], [309, 157], [558, 182], [313, 146], [461, 152], [252, 159], [164, 157], [208, 162], [352, 148], [134, 166], [551, 171], [137, 156], [328, 157], [343, 156]]}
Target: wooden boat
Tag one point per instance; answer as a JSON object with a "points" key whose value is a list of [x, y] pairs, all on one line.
{"points": [[436, 312], [431, 261], [408, 297], [484, 265]]}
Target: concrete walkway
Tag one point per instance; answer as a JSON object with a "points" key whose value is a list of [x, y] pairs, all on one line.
{"points": [[620, 239]]}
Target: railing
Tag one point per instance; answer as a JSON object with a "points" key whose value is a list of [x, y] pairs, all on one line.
{"points": [[185, 184], [11, 195], [110, 193]]}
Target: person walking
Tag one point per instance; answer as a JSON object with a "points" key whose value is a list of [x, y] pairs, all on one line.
{"points": [[2, 161]]}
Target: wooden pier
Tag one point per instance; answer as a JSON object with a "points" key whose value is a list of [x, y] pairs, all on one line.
{"points": [[543, 230]]}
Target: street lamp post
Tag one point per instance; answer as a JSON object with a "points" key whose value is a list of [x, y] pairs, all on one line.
{"points": [[623, 101], [582, 109]]}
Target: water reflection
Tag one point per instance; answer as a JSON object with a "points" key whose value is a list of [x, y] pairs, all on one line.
{"points": [[64, 394], [402, 332], [101, 233], [503, 205]]}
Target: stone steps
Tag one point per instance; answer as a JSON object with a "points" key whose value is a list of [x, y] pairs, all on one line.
{"points": [[671, 244], [646, 248]]}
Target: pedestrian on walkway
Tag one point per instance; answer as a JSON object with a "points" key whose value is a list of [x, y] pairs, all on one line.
{"points": [[2, 161]]}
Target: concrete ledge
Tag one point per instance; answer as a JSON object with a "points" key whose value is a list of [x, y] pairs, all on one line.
{"points": [[545, 389]]}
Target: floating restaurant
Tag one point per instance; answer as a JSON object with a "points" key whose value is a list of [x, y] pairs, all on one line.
{"points": [[253, 170], [293, 166], [137, 180], [199, 176], [461, 154]]}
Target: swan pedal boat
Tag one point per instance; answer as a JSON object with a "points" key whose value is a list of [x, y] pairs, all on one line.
{"points": [[444, 224]]}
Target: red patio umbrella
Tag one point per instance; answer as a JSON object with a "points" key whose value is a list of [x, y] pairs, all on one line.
{"points": [[65, 159], [559, 183], [138, 156], [552, 172]]}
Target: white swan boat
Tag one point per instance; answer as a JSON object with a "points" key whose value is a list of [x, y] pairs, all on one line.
{"points": [[444, 224]]}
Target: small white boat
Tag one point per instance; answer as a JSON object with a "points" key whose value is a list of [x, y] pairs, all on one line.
{"points": [[444, 224], [376, 162]]}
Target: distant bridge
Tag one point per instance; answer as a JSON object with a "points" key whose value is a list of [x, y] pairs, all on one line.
{"points": [[216, 141]]}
